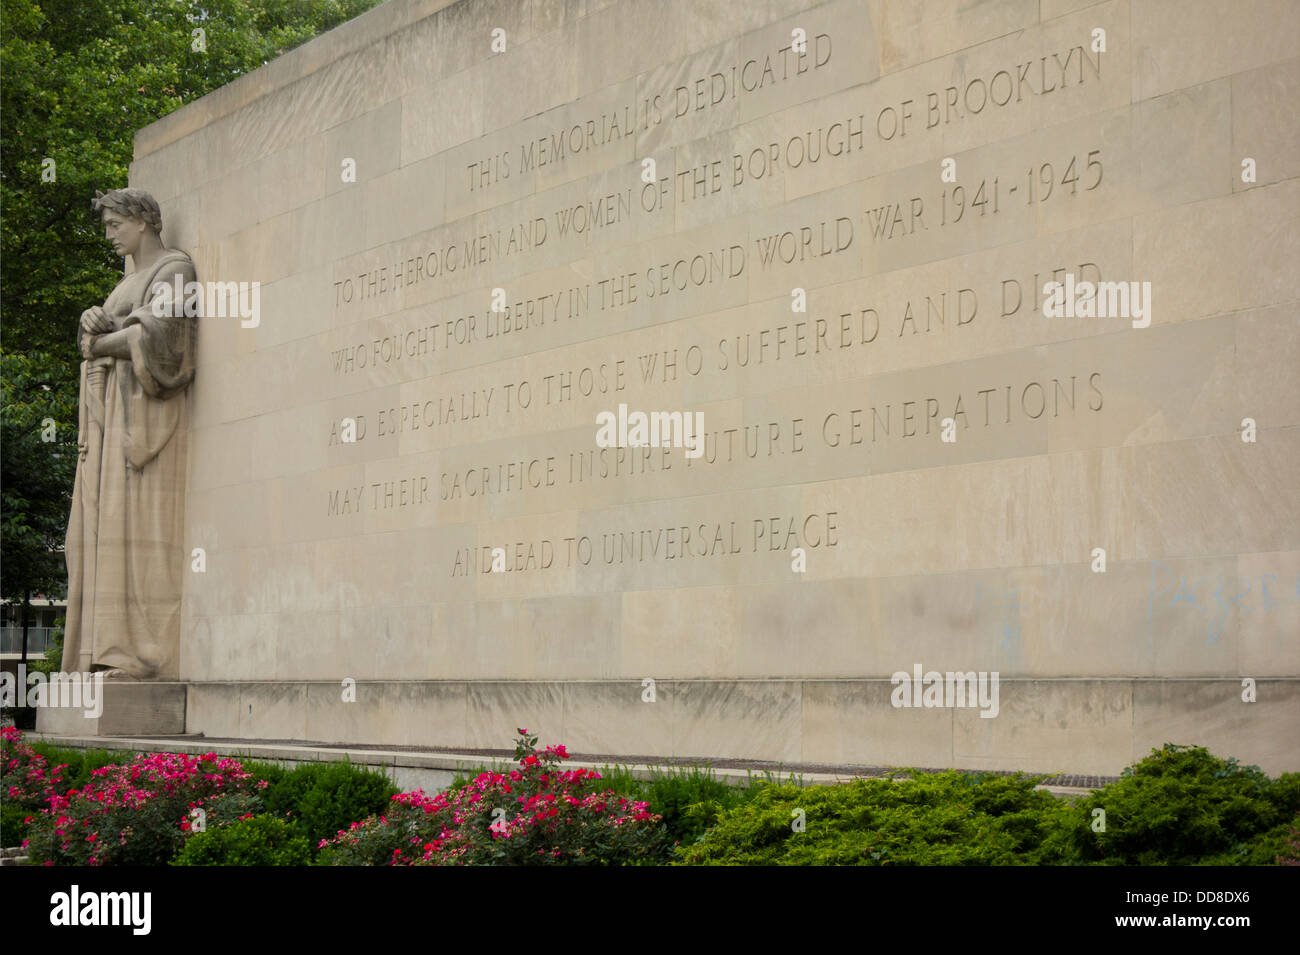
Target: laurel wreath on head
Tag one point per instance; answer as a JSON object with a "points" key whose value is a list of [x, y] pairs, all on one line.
{"points": [[132, 203]]}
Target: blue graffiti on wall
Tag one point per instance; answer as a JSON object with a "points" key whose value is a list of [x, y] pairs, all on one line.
{"points": [[1231, 591]]}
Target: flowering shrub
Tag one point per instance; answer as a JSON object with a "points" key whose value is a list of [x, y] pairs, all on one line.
{"points": [[537, 814], [26, 782], [26, 779], [139, 813]]}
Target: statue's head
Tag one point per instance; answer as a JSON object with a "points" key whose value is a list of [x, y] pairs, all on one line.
{"points": [[129, 216]]}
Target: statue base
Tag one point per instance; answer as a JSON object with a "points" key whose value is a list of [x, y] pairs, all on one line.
{"points": [[116, 708]]}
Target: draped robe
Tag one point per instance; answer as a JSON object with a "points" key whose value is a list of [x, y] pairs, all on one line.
{"points": [[124, 548]]}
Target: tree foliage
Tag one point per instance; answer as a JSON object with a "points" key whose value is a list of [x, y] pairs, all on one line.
{"points": [[35, 472], [77, 78]]}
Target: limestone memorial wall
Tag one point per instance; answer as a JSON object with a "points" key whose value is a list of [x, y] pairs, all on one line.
{"points": [[745, 214]]}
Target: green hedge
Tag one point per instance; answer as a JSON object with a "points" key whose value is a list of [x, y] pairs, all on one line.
{"points": [[690, 799], [12, 828], [1179, 806], [261, 840], [931, 819], [1183, 806], [319, 799]]}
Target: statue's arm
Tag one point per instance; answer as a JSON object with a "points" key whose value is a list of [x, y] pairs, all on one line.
{"points": [[115, 344], [120, 343], [159, 336]]}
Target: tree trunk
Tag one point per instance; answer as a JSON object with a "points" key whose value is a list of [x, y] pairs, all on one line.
{"points": [[24, 715], [27, 601]]}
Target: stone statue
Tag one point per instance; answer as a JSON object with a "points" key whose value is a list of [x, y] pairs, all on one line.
{"points": [[125, 549]]}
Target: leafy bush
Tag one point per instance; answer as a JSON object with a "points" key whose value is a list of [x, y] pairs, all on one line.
{"points": [[537, 814], [271, 773], [1291, 849], [139, 813], [13, 824], [688, 799], [1183, 806], [256, 840], [51, 660], [932, 819], [319, 799]]}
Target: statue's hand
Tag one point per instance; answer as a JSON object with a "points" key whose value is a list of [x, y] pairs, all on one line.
{"points": [[95, 321]]}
